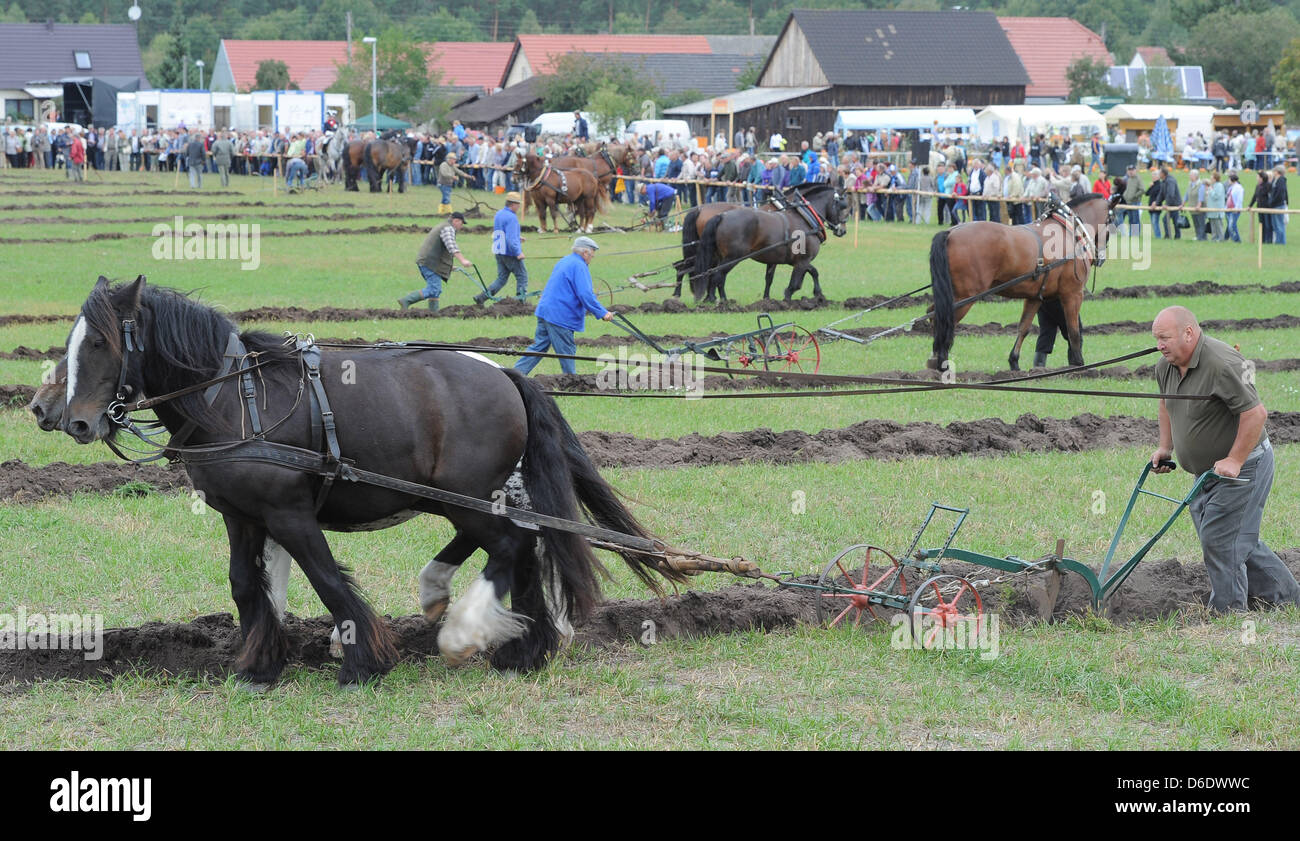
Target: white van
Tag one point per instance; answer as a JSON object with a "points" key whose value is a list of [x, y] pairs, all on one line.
{"points": [[561, 123], [659, 131]]}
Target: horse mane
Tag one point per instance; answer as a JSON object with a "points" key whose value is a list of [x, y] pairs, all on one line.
{"points": [[188, 336], [807, 187]]}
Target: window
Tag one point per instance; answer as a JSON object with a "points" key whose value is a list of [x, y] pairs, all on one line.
{"points": [[792, 122], [83, 59], [20, 110]]}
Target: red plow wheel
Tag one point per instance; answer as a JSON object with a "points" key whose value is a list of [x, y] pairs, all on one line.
{"points": [[792, 348], [940, 606], [879, 572]]}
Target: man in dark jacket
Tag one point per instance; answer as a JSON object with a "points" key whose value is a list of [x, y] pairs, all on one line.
{"points": [[1277, 198], [196, 157], [1171, 198], [434, 261], [1263, 198]]}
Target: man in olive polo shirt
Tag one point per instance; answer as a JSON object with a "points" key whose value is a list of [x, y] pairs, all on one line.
{"points": [[434, 262], [1225, 434]]}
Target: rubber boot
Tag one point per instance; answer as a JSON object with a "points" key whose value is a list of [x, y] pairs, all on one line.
{"points": [[406, 300], [479, 299], [433, 304], [1040, 360]]}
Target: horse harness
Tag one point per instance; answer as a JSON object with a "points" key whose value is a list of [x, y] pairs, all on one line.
{"points": [[809, 214], [1067, 219], [547, 169]]}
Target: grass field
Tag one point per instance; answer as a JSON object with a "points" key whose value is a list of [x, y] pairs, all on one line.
{"points": [[1186, 682]]}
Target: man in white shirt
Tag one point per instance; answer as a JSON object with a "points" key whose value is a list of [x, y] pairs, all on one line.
{"points": [[993, 189]]}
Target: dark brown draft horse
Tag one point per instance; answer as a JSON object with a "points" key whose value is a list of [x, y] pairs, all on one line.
{"points": [[1053, 256], [379, 157], [549, 186], [789, 237], [450, 420], [697, 217]]}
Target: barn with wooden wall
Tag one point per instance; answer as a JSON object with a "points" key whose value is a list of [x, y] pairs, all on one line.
{"points": [[828, 60]]}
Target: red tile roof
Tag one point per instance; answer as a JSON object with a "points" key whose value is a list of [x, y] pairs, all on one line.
{"points": [[312, 64], [465, 63], [1214, 90], [307, 60], [541, 50], [1046, 47]]}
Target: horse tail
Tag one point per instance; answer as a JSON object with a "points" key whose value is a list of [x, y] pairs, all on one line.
{"points": [[941, 288], [601, 199], [704, 256], [689, 234], [562, 482]]}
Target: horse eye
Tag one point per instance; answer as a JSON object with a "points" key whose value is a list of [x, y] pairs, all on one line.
{"points": [[97, 342]]}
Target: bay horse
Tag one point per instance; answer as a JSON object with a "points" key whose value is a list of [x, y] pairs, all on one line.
{"points": [[549, 186], [602, 160], [1052, 255], [379, 157], [789, 237], [442, 418]]}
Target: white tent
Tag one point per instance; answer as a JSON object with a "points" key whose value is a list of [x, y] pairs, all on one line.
{"points": [[899, 119], [1191, 118], [998, 121]]}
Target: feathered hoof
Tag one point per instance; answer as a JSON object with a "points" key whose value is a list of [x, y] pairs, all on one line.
{"points": [[456, 659]]}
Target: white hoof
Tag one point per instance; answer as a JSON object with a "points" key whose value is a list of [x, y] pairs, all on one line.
{"points": [[477, 622], [336, 644]]}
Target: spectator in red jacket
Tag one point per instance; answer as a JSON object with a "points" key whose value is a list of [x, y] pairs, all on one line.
{"points": [[76, 155]]}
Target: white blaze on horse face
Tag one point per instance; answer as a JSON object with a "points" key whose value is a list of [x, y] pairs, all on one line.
{"points": [[74, 357], [476, 622]]}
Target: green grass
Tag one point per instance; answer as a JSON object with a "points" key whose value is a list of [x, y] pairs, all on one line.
{"points": [[1184, 683]]}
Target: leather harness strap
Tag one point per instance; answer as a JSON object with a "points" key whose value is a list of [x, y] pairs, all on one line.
{"points": [[322, 421]]}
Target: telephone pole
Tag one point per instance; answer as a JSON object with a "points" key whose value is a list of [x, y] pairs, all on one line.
{"points": [[349, 37]]}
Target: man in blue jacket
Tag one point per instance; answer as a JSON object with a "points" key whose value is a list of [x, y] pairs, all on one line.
{"points": [[508, 247], [660, 198], [562, 311]]}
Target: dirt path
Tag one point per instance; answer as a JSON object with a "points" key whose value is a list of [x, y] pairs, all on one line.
{"points": [[208, 645]]}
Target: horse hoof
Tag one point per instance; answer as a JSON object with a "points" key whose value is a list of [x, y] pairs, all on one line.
{"points": [[455, 659], [434, 612], [251, 686], [336, 648], [932, 363]]}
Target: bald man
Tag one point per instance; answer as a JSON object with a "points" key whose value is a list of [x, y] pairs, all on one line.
{"points": [[1225, 434]]}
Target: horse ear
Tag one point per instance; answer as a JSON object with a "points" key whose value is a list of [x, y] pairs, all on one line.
{"points": [[103, 281], [135, 292]]}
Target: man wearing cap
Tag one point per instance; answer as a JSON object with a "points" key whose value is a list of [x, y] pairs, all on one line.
{"points": [[507, 246], [562, 311], [434, 261], [1226, 434], [447, 174]]}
